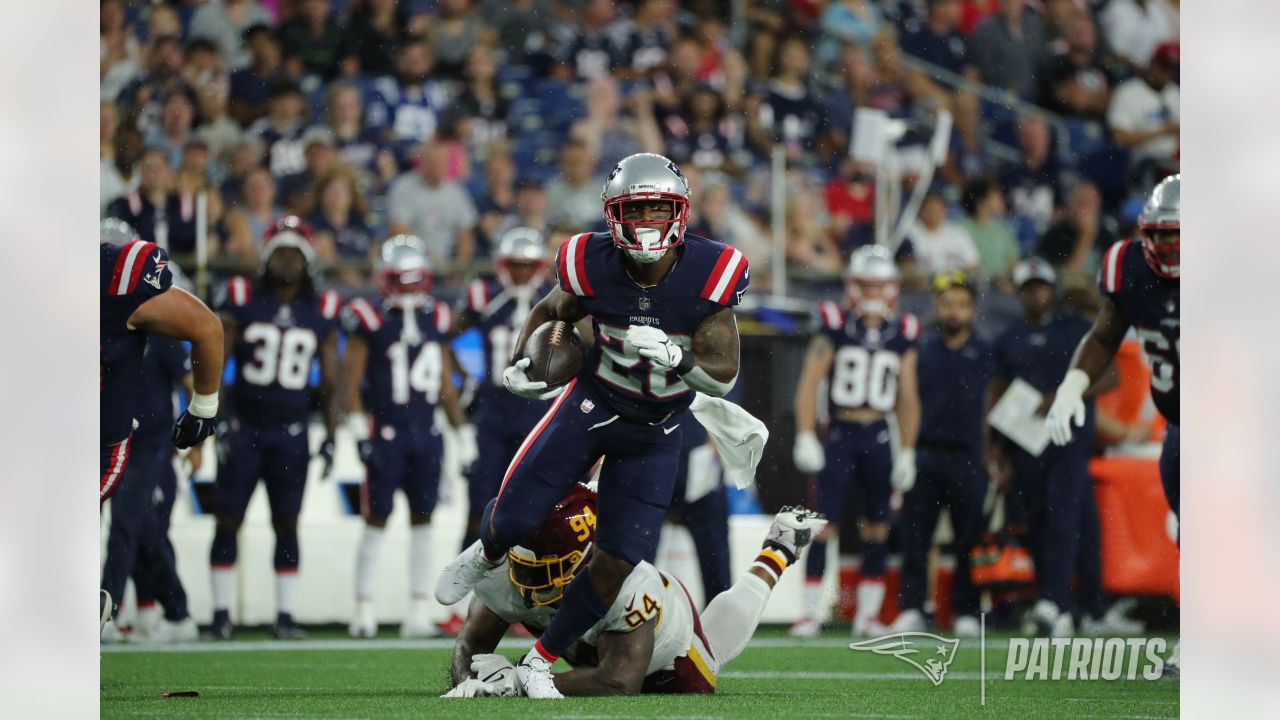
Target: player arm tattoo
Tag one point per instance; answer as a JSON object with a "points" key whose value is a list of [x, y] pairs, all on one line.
{"points": [[330, 372], [712, 367], [354, 362], [817, 362], [624, 659], [908, 406], [480, 635], [1099, 346], [178, 314], [449, 398], [557, 305]]}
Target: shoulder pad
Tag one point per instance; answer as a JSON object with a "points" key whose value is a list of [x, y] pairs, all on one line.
{"points": [[366, 315], [330, 302], [444, 318], [140, 267], [728, 278], [571, 265], [238, 291], [830, 314], [478, 296], [910, 327], [1111, 275]]}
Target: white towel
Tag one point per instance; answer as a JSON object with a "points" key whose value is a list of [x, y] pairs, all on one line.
{"points": [[738, 436]]}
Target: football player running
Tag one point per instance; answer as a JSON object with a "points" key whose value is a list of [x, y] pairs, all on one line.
{"points": [[660, 303], [867, 354], [276, 326], [138, 298], [399, 354], [1140, 286], [652, 639]]}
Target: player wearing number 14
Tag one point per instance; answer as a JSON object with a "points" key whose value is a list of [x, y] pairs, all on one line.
{"points": [[868, 357], [276, 327]]}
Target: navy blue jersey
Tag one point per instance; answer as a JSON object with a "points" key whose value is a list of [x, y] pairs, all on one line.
{"points": [[131, 274], [792, 117], [164, 366], [499, 317], [283, 147], [275, 346], [1041, 355], [953, 389], [403, 374], [864, 370], [707, 277], [1149, 303], [592, 55], [407, 115]]}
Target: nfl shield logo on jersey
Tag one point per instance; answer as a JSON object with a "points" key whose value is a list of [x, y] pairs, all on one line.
{"points": [[644, 303], [587, 406]]}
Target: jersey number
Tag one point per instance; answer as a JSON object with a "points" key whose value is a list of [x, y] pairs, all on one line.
{"points": [[422, 375], [860, 377], [1164, 365], [279, 355], [583, 524], [622, 366], [638, 616], [501, 342]]}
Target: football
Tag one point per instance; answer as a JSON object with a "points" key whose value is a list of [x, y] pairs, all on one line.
{"points": [[555, 353]]}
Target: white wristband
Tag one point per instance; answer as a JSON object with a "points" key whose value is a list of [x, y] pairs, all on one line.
{"points": [[203, 406], [1076, 382]]}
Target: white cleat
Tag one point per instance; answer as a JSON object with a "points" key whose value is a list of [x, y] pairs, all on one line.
{"points": [[182, 631], [464, 573], [364, 624], [534, 675], [104, 610], [868, 627], [112, 634], [418, 624], [805, 628], [1173, 666], [966, 626], [1115, 621], [908, 621], [794, 527], [1041, 620]]}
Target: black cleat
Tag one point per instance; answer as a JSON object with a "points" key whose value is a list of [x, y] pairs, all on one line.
{"points": [[221, 627], [287, 629]]}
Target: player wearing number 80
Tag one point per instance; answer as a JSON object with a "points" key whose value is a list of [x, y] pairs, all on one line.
{"points": [[868, 357], [275, 328], [399, 353], [660, 305]]}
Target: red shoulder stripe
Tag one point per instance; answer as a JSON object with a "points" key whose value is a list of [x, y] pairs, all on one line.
{"points": [[329, 304], [444, 318], [831, 315], [129, 264], [724, 276], [1113, 266], [910, 327], [572, 266], [238, 291], [477, 295], [367, 314]]}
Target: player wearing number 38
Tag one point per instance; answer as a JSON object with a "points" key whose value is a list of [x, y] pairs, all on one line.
{"points": [[660, 306]]}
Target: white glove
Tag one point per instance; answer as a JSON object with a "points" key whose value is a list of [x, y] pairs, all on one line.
{"points": [[655, 345], [470, 687], [498, 673], [467, 449], [517, 382], [807, 453], [903, 477], [1067, 407]]}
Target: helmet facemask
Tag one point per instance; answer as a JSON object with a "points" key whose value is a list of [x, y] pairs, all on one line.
{"points": [[646, 240], [542, 580], [873, 296], [520, 277], [1162, 248]]}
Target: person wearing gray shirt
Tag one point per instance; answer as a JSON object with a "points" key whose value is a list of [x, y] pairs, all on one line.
{"points": [[423, 202]]}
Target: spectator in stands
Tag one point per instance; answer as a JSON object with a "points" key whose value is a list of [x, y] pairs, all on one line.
{"points": [[370, 35], [299, 189], [854, 77], [339, 221], [611, 135], [281, 130], [423, 202], [1075, 82], [850, 200], [251, 85], [247, 220], [720, 218], [1074, 244], [482, 108], [405, 108], [788, 109], [575, 195], [701, 135], [496, 199], [967, 155], [155, 210], [309, 40], [224, 23], [1009, 48], [361, 148], [192, 175], [938, 42], [120, 148], [142, 99], [217, 130], [246, 157], [1135, 28], [986, 223], [456, 30], [848, 22], [895, 90], [1032, 186], [523, 28], [120, 53], [203, 65], [809, 244], [595, 47], [1144, 115], [938, 244], [649, 35], [172, 134]]}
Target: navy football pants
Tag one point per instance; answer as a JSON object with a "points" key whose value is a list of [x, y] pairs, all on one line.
{"points": [[276, 454], [1049, 496], [1169, 466], [858, 456], [408, 459]]}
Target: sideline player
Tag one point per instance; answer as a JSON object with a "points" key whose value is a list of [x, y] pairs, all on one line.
{"points": [[400, 354], [869, 362], [276, 327], [661, 309], [138, 298], [652, 639]]}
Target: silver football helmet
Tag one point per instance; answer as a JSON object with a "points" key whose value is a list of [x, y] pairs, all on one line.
{"points": [[872, 281], [521, 246], [404, 269], [646, 177], [116, 232], [1159, 228]]}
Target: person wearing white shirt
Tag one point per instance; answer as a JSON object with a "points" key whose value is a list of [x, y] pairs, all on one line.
{"points": [[1135, 28], [938, 244], [1144, 114]]}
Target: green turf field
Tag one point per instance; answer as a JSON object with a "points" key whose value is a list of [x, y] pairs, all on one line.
{"points": [[774, 678]]}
